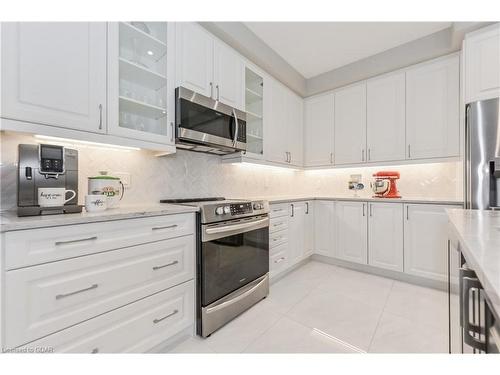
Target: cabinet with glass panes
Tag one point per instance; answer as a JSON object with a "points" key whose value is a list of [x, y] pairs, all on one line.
{"points": [[254, 103], [144, 100]]}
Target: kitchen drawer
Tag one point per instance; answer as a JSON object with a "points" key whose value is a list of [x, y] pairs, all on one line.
{"points": [[136, 327], [278, 223], [279, 261], [42, 299], [278, 210], [277, 238], [29, 247]]}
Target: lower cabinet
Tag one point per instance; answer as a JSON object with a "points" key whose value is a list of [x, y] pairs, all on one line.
{"points": [[134, 328], [352, 242], [426, 241], [385, 235], [324, 228]]}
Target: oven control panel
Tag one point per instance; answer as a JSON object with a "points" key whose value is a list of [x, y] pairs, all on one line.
{"points": [[241, 208], [228, 210]]}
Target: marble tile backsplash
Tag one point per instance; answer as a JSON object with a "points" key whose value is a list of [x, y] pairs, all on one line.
{"points": [[188, 174]]}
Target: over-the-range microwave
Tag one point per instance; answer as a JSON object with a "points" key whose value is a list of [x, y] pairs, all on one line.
{"points": [[206, 125]]}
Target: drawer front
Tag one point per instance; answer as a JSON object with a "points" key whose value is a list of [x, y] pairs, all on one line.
{"points": [[278, 238], [135, 328], [278, 210], [279, 261], [43, 299], [278, 223], [36, 246]]}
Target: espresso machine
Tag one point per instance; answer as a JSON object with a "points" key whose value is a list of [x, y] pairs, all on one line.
{"points": [[46, 166]]}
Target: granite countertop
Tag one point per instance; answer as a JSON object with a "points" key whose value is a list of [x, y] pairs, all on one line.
{"points": [[9, 220], [295, 198], [479, 235]]}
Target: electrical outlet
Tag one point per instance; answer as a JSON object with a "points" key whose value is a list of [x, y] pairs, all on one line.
{"points": [[124, 178]]}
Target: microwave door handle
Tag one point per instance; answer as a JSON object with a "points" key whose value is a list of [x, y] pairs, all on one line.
{"points": [[237, 128]]}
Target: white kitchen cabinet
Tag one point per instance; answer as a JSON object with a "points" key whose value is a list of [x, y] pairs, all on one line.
{"points": [[324, 228], [141, 92], [275, 145], [432, 109], [229, 73], [426, 241], [385, 235], [318, 130], [294, 129], [482, 64], [350, 125], [194, 58], [385, 127], [351, 231], [296, 231], [54, 73], [208, 66]]}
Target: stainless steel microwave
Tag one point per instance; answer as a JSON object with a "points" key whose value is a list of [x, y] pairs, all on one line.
{"points": [[203, 124]]}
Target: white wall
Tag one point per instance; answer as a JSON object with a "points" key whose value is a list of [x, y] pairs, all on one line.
{"points": [[189, 174]]}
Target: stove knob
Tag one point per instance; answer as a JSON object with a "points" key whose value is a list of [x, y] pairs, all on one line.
{"points": [[257, 206], [227, 209], [219, 210]]}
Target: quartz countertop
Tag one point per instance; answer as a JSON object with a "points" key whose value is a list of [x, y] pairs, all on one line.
{"points": [[295, 198], [478, 233], [9, 220]]}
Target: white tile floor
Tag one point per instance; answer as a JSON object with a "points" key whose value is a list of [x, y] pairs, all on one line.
{"points": [[323, 308]]}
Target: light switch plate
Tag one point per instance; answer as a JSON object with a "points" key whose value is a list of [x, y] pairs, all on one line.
{"points": [[124, 178]]}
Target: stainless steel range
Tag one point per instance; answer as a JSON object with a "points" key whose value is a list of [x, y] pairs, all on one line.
{"points": [[232, 258]]}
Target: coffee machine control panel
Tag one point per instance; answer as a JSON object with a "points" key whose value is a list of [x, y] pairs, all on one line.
{"points": [[51, 159]]}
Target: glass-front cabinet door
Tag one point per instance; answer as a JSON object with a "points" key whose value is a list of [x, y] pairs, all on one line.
{"points": [[254, 107], [140, 70]]}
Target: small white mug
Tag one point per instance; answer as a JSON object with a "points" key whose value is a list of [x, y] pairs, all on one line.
{"points": [[95, 202], [52, 197]]}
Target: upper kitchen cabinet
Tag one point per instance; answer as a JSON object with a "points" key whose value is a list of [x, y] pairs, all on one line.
{"points": [[294, 129], [432, 109], [482, 64], [54, 73], [385, 129], [275, 145], [318, 130], [140, 81], [350, 125], [208, 66]]}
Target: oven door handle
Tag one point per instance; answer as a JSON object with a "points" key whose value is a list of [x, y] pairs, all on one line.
{"points": [[230, 228]]}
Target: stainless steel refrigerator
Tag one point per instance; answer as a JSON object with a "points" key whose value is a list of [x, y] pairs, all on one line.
{"points": [[482, 155], [471, 320]]}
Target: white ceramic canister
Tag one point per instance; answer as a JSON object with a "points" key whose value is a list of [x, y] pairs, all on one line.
{"points": [[107, 185]]}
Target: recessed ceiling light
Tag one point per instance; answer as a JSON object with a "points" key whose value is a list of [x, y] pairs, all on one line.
{"points": [[150, 53]]}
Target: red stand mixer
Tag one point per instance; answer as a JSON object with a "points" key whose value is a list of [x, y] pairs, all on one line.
{"points": [[384, 185]]}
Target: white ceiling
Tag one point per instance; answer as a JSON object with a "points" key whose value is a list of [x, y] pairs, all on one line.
{"points": [[313, 48]]}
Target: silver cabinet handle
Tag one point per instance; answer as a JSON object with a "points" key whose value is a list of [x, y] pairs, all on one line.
{"points": [[290, 157], [173, 132], [409, 150], [277, 224], [93, 286], [165, 265], [211, 90], [363, 209], [100, 116], [279, 260], [94, 351], [217, 88], [277, 238], [371, 210], [165, 227], [363, 155], [407, 213], [293, 210], [307, 208], [331, 157], [369, 154], [165, 317], [58, 243]]}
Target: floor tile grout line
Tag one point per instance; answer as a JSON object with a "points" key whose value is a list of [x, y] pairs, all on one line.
{"points": [[262, 334], [380, 317]]}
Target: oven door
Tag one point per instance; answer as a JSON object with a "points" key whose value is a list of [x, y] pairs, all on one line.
{"points": [[202, 120], [233, 254]]}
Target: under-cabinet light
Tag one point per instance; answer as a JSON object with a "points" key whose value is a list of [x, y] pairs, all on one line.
{"points": [[76, 141]]}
